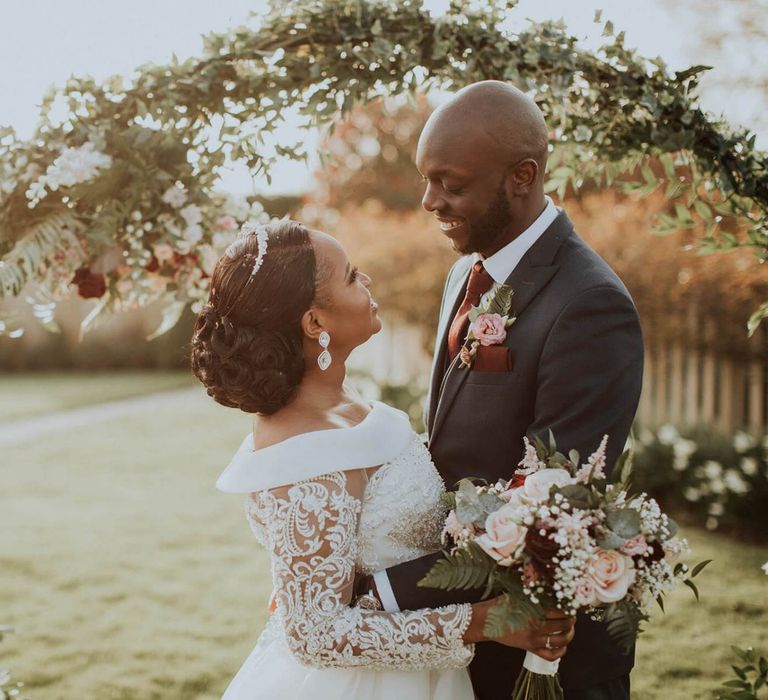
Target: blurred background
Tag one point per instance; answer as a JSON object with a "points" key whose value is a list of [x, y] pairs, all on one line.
{"points": [[127, 576]]}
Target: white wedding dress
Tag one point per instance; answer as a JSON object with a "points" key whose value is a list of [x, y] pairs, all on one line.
{"points": [[310, 502]]}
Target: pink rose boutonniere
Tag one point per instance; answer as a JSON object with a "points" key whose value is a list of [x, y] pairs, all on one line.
{"points": [[488, 324]]}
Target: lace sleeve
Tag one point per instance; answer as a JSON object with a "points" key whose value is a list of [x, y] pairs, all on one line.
{"points": [[312, 532]]}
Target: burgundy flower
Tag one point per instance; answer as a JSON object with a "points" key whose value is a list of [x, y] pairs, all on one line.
{"points": [[541, 549], [656, 551], [89, 284], [153, 265], [516, 481], [180, 258]]}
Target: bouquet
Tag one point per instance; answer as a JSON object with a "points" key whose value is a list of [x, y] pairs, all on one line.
{"points": [[558, 536]]}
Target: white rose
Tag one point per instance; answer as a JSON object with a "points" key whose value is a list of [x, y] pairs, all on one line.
{"points": [[538, 484], [192, 214]]}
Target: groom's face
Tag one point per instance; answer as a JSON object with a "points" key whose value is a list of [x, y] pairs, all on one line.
{"points": [[466, 189]]}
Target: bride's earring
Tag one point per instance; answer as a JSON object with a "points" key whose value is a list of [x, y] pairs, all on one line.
{"points": [[324, 359]]}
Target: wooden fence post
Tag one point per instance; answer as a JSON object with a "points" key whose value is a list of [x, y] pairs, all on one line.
{"points": [[708, 379]]}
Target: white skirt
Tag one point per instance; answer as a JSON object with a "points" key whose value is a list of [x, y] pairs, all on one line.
{"points": [[272, 672]]}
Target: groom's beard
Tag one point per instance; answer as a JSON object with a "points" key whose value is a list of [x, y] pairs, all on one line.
{"points": [[485, 231]]}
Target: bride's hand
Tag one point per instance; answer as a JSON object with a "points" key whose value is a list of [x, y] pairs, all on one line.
{"points": [[546, 638]]}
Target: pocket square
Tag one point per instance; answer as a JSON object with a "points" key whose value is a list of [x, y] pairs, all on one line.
{"points": [[493, 358]]}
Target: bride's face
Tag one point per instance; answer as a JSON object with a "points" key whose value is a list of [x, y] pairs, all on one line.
{"points": [[343, 305]]}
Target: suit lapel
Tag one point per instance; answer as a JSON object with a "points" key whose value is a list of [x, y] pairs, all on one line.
{"points": [[535, 269], [530, 276], [454, 295]]}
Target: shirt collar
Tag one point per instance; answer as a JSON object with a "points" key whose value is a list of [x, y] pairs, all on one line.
{"points": [[502, 263]]}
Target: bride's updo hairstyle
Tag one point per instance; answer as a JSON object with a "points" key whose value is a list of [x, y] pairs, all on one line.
{"points": [[246, 347]]}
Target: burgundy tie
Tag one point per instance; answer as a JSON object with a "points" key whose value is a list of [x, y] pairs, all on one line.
{"points": [[479, 283]]}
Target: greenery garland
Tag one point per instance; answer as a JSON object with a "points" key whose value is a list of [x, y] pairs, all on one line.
{"points": [[119, 196]]}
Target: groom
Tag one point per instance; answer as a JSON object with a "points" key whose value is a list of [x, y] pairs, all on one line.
{"points": [[572, 362]]}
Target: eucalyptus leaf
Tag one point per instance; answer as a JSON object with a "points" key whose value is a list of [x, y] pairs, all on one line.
{"points": [[577, 495], [624, 522], [610, 540]]}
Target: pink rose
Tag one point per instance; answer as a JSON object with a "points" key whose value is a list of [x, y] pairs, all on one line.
{"points": [[163, 252], [635, 546], [225, 223], [489, 329], [503, 536], [538, 484], [585, 592], [612, 574]]}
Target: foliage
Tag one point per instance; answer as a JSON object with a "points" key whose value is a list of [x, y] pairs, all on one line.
{"points": [[408, 398], [468, 568], [712, 480], [175, 126], [543, 553], [679, 293], [8, 688], [741, 687]]}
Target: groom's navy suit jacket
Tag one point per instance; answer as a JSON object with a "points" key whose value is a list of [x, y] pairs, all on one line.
{"points": [[577, 354]]}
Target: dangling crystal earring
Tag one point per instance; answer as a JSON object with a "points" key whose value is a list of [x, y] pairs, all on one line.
{"points": [[324, 359]]}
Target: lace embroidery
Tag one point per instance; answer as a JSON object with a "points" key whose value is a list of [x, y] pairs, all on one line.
{"points": [[404, 516], [311, 528]]}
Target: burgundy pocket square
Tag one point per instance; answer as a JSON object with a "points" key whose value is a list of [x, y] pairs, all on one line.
{"points": [[493, 358]]}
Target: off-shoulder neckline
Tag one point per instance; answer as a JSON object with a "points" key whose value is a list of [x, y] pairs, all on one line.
{"points": [[285, 441], [378, 438]]}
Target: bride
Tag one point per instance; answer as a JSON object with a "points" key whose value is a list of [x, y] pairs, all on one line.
{"points": [[336, 487]]}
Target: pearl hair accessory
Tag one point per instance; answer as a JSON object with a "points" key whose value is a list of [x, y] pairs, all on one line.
{"points": [[235, 249]]}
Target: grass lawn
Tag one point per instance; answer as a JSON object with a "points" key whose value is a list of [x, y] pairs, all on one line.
{"points": [[34, 393], [128, 576]]}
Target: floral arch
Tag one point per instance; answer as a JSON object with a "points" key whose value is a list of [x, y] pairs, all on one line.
{"points": [[117, 201]]}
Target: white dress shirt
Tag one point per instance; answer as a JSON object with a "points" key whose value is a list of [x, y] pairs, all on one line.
{"points": [[500, 266], [502, 263]]}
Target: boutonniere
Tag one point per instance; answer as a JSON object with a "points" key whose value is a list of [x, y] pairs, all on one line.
{"points": [[488, 323]]}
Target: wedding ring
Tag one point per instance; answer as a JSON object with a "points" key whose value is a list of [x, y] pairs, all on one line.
{"points": [[547, 644]]}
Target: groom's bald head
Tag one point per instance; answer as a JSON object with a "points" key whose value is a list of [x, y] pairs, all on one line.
{"points": [[483, 155], [493, 114]]}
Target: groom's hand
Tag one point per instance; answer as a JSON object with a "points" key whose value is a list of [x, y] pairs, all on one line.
{"points": [[548, 638]]}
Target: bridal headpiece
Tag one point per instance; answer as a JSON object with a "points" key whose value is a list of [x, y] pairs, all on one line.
{"points": [[236, 248]]}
